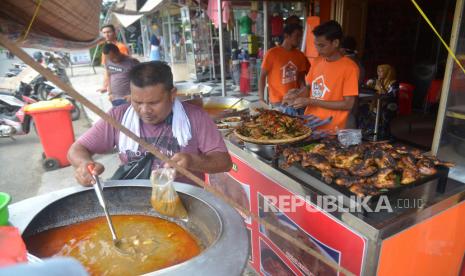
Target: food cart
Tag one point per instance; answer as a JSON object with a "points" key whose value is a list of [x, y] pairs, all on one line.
{"points": [[412, 240], [423, 235]]}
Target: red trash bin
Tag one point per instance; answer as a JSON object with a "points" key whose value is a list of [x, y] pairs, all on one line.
{"points": [[55, 129]]}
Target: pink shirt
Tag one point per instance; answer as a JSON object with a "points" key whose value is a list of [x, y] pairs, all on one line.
{"points": [[103, 138]]}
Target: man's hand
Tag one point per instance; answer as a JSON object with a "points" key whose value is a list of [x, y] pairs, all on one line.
{"points": [[102, 90], [110, 97], [184, 160], [127, 98], [262, 104], [82, 174], [301, 102]]}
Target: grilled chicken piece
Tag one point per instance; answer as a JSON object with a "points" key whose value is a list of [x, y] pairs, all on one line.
{"points": [[365, 168], [316, 160], [363, 171], [409, 176], [426, 166], [383, 160], [383, 179], [408, 162], [394, 154], [416, 153], [319, 148], [401, 149], [345, 159], [439, 162], [384, 146], [292, 155], [333, 173], [348, 181], [363, 189]]}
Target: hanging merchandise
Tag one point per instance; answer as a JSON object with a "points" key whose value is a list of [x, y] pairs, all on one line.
{"points": [[254, 6], [252, 44], [245, 24], [259, 30], [212, 11], [277, 24], [245, 77], [253, 15], [253, 74]]}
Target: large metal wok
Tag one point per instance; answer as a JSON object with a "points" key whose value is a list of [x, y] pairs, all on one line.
{"points": [[232, 106], [218, 227]]}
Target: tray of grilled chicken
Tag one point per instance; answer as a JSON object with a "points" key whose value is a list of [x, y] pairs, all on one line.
{"points": [[370, 169]]}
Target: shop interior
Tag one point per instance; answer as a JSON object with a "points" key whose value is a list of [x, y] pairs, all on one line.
{"points": [[396, 35]]}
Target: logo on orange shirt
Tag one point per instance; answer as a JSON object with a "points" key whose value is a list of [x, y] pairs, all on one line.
{"points": [[319, 89], [289, 72]]}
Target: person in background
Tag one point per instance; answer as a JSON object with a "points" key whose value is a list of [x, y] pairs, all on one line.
{"points": [[109, 33], [154, 47], [332, 83], [387, 86], [283, 68], [117, 70]]}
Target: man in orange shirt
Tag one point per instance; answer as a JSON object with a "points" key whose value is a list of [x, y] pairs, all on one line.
{"points": [[284, 66], [332, 83], [109, 33]]}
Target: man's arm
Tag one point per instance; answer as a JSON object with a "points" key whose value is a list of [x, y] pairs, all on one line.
{"points": [[80, 157], [106, 82], [261, 86], [213, 162], [345, 104]]}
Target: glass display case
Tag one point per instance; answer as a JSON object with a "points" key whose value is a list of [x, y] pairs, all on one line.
{"points": [[452, 136], [198, 48]]}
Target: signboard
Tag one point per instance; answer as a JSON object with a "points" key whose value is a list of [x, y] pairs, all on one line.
{"points": [[315, 228], [80, 57]]}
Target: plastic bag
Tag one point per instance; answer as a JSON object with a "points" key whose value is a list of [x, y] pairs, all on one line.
{"points": [[349, 137], [165, 200]]}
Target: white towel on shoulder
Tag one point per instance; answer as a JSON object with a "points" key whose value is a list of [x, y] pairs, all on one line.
{"points": [[180, 127], [130, 121]]}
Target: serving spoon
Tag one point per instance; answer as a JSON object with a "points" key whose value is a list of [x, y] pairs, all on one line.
{"points": [[99, 192]]}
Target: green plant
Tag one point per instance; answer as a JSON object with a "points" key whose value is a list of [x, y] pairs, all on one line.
{"points": [[98, 56]]}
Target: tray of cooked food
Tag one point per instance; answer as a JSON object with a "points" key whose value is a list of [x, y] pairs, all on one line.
{"points": [[272, 127], [369, 169]]}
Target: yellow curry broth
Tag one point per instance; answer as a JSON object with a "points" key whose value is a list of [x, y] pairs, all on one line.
{"points": [[157, 244]]}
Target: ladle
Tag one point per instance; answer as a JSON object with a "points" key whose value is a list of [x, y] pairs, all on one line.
{"points": [[99, 192], [234, 104]]}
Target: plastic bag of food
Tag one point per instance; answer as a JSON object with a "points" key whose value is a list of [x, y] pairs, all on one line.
{"points": [[349, 137], [165, 200]]}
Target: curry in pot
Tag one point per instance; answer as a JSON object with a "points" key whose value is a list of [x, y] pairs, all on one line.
{"points": [[153, 243]]}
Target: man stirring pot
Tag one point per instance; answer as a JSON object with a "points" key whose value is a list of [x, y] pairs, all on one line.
{"points": [[180, 130]]}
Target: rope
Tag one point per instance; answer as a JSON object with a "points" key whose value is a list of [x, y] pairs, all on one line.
{"points": [[438, 35], [152, 149], [36, 12]]}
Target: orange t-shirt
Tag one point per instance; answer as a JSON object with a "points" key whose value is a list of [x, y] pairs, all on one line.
{"points": [[331, 81], [283, 68], [122, 49]]}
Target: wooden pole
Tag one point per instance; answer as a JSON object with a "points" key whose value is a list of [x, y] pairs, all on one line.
{"points": [[149, 147]]}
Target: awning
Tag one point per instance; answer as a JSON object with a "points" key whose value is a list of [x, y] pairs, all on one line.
{"points": [[54, 24], [127, 20], [150, 5]]}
